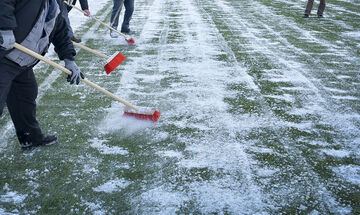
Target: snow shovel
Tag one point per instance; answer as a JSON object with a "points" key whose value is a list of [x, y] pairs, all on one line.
{"points": [[130, 110], [129, 40], [111, 62]]}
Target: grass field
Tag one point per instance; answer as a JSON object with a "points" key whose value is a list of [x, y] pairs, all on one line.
{"points": [[260, 115]]}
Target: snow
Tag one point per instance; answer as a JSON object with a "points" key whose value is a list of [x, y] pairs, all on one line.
{"points": [[337, 153], [12, 196], [351, 173], [104, 149], [209, 154], [112, 186]]}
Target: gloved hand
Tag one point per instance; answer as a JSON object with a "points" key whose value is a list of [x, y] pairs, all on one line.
{"points": [[76, 73], [87, 12], [7, 39]]}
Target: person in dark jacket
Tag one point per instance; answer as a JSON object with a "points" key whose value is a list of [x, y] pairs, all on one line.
{"points": [[320, 10], [65, 13], [114, 19], [34, 24]]}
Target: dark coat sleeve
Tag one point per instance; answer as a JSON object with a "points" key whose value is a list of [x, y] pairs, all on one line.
{"points": [[7, 15], [7, 19], [84, 4], [61, 40]]}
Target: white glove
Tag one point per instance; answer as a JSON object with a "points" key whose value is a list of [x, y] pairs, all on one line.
{"points": [[7, 39], [76, 73]]}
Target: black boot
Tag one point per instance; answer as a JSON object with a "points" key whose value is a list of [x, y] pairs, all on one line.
{"points": [[48, 140], [306, 16], [26, 141]]}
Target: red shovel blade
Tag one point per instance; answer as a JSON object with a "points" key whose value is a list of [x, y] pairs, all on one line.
{"points": [[143, 114], [130, 41], [115, 60]]}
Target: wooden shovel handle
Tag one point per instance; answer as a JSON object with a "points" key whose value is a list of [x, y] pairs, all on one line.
{"points": [[91, 84], [90, 50], [99, 21]]}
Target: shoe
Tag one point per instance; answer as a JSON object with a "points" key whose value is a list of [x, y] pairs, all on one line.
{"points": [[320, 16], [26, 143], [113, 34], [48, 140], [76, 40], [127, 31], [306, 16]]}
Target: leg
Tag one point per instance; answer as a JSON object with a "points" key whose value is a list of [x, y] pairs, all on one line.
{"points": [[6, 77], [309, 7], [22, 107], [321, 8], [115, 23], [129, 9]]}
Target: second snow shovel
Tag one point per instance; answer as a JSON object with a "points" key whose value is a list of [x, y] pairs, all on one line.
{"points": [[111, 62], [130, 110], [129, 40]]}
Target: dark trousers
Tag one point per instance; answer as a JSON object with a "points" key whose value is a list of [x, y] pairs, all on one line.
{"points": [[19, 90], [129, 9], [309, 6]]}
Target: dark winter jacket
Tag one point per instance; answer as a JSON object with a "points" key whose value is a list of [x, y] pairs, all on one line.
{"points": [[84, 5], [21, 15]]}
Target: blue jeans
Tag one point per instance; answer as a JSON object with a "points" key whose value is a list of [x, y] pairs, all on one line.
{"points": [[129, 9]]}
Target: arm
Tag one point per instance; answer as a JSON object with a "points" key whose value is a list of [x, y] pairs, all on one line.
{"points": [[61, 40], [85, 7], [84, 4], [7, 25], [65, 48], [7, 16]]}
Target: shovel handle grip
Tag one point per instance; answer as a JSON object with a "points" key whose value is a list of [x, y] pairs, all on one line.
{"points": [[91, 84]]}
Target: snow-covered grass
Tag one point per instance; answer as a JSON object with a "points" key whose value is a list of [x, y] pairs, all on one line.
{"points": [[260, 115]]}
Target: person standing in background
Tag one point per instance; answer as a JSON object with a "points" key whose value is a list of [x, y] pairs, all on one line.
{"points": [[309, 6], [65, 13], [114, 19]]}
